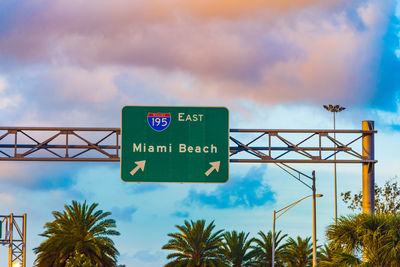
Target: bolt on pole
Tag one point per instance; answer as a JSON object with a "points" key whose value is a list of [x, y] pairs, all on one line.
{"points": [[368, 169]]}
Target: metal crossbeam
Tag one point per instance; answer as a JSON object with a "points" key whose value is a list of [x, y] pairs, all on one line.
{"points": [[103, 144], [59, 144], [298, 146]]}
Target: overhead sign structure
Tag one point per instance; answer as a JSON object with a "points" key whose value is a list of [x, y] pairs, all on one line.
{"points": [[175, 144]]}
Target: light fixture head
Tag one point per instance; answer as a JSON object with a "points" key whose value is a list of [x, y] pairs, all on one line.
{"points": [[334, 108]]}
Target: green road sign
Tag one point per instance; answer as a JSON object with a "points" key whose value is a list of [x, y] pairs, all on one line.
{"points": [[175, 144]]}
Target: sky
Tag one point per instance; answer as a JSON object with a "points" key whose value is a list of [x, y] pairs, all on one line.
{"points": [[273, 64]]}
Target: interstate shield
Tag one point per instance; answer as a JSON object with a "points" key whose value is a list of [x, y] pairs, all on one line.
{"points": [[159, 121]]}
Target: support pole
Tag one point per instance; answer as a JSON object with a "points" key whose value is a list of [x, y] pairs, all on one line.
{"points": [[368, 169], [314, 264], [10, 244], [273, 241], [24, 241], [334, 168]]}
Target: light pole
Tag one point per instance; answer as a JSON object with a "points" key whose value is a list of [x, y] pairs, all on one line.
{"points": [[334, 109], [280, 212]]}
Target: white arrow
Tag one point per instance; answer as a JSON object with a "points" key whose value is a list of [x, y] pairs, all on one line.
{"points": [[140, 165], [214, 166]]}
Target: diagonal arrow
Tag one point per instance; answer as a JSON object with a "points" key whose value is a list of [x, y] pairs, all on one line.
{"points": [[139, 165], [214, 166]]}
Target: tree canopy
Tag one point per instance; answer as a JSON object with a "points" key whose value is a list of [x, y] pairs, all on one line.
{"points": [[78, 234], [387, 198], [195, 245], [375, 236]]}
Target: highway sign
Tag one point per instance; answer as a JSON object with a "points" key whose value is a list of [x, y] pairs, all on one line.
{"points": [[175, 144]]}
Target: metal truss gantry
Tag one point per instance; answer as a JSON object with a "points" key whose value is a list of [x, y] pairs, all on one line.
{"points": [[13, 228], [279, 146], [262, 145]]}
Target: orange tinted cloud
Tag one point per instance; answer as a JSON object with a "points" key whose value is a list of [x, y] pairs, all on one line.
{"points": [[268, 51]]}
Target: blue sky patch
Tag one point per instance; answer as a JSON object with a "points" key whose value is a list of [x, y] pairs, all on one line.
{"points": [[248, 191]]}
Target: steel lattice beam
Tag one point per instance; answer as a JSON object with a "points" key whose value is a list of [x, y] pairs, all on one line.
{"points": [[59, 144], [103, 144], [298, 146]]}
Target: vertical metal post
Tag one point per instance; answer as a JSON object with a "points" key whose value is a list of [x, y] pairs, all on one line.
{"points": [[314, 263], [15, 143], [10, 244], [24, 240], [368, 169], [273, 241], [66, 145], [334, 167]]}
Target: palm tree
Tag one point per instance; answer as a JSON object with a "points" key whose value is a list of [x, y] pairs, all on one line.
{"points": [[375, 236], [263, 250], [195, 245], [298, 253], [78, 230], [329, 256], [235, 248]]}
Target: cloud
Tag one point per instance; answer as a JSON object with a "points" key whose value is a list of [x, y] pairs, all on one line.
{"points": [[181, 214], [3, 83], [38, 176], [85, 86], [248, 191], [6, 198], [145, 188], [387, 90], [264, 51], [124, 214], [7, 100]]}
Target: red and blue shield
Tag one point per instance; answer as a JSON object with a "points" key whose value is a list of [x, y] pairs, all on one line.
{"points": [[159, 121]]}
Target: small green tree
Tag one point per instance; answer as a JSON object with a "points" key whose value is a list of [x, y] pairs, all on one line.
{"points": [[263, 250], [298, 252], [387, 198], [78, 229], [235, 248], [195, 245]]}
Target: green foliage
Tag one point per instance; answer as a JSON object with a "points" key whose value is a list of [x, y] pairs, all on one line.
{"points": [[387, 198], [362, 241], [263, 249], [79, 260], [195, 245], [78, 230], [297, 253], [329, 256], [235, 248], [375, 236]]}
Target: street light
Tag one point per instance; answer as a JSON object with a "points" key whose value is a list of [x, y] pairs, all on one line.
{"points": [[334, 109], [285, 209]]}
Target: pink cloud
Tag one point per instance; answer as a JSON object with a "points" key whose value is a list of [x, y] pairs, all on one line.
{"points": [[266, 51]]}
